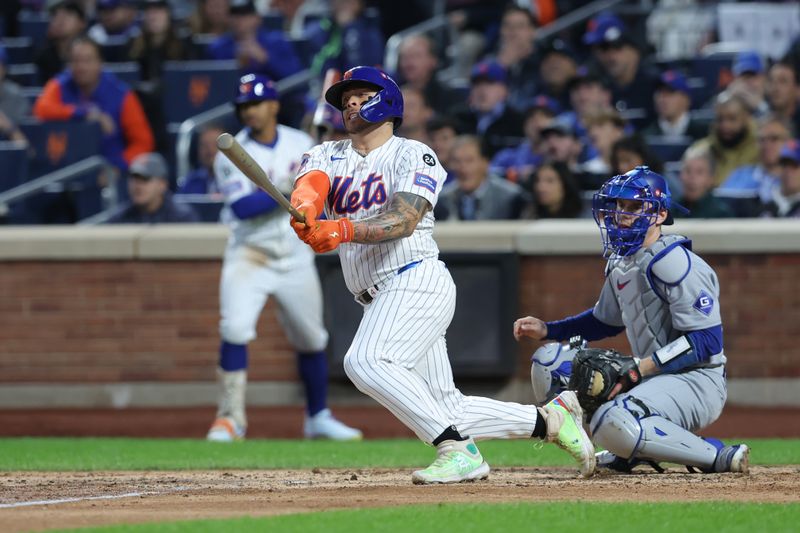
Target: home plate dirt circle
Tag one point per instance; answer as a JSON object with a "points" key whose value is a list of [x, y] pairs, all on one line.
{"points": [[38, 501]]}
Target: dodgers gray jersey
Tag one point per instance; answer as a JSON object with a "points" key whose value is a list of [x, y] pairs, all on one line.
{"points": [[660, 293], [361, 186], [271, 231]]}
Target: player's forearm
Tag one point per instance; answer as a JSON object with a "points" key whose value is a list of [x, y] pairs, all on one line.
{"points": [[401, 217]]}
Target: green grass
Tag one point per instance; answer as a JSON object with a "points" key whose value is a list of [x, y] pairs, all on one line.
{"points": [[541, 517], [64, 454]]}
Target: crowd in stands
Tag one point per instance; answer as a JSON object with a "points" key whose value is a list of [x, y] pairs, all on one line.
{"points": [[526, 127]]}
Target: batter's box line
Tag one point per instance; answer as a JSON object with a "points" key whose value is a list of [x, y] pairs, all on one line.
{"points": [[89, 498]]}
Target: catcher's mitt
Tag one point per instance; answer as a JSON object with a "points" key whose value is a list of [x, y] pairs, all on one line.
{"points": [[596, 371]]}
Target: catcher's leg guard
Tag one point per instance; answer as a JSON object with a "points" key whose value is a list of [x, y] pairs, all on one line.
{"points": [[551, 366], [626, 428]]}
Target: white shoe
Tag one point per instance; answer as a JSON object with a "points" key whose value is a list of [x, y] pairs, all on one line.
{"points": [[225, 430], [456, 461], [324, 426], [733, 459], [564, 419]]}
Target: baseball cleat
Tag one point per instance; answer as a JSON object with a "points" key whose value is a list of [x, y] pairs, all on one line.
{"points": [[225, 430], [456, 461], [734, 458], [564, 419], [324, 426]]}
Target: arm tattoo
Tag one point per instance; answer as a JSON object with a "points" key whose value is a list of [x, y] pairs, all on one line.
{"points": [[402, 215]]}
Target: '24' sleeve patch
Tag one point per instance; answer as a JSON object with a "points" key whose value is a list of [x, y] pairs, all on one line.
{"points": [[423, 180]]}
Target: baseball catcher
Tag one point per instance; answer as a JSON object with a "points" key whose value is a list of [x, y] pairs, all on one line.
{"points": [[666, 299]]}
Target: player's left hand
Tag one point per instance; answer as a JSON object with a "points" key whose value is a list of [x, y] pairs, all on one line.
{"points": [[327, 235], [303, 229]]}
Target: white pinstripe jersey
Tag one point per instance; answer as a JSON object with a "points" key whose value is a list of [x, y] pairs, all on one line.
{"points": [[362, 186], [270, 232]]}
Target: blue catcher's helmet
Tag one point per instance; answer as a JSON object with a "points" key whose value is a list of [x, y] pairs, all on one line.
{"points": [[388, 103], [255, 88], [643, 185]]}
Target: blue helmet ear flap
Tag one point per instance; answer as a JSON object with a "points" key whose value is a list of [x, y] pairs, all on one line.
{"points": [[387, 104]]}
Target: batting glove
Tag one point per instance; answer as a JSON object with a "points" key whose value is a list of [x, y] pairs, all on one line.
{"points": [[304, 229], [328, 234]]}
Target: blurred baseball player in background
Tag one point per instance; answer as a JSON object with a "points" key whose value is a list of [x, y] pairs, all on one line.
{"points": [[263, 258], [666, 299], [377, 192]]}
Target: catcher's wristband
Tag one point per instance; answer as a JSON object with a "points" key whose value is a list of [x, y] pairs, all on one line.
{"points": [[346, 229]]}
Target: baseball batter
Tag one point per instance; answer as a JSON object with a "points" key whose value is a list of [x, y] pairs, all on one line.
{"points": [[377, 192], [263, 258], [666, 299]]}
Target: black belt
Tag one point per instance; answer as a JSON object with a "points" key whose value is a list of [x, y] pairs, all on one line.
{"points": [[366, 297]]}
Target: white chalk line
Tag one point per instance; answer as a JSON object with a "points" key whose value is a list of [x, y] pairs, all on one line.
{"points": [[87, 498]]}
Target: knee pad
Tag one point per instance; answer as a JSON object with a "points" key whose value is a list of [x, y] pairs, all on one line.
{"points": [[551, 366], [616, 427]]}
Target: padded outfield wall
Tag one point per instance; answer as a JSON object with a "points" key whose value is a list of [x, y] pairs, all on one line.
{"points": [[126, 317]]}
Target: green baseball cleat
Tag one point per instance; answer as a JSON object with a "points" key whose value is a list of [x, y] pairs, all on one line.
{"points": [[456, 461], [564, 418]]}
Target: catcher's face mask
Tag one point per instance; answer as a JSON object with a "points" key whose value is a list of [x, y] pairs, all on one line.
{"points": [[625, 208]]}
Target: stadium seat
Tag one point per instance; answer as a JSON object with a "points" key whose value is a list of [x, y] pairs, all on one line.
{"points": [[33, 24], [57, 144], [115, 50], [14, 162], [666, 149], [127, 71], [304, 50], [708, 75], [272, 21], [25, 74], [19, 49], [207, 206], [191, 87]]}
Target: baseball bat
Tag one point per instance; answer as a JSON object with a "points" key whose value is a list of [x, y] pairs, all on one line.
{"points": [[229, 146]]}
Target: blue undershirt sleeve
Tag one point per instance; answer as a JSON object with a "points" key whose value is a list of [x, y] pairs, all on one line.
{"points": [[253, 205], [584, 324]]}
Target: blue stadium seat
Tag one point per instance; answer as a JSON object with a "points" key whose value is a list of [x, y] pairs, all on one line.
{"points": [[19, 49], [57, 144], [667, 150], [14, 165], [708, 75], [191, 87], [33, 24], [127, 72], [272, 21], [115, 50], [25, 74], [304, 50]]}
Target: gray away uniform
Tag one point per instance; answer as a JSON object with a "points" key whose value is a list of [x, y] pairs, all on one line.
{"points": [[658, 294]]}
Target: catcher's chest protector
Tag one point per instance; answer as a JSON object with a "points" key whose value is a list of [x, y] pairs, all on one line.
{"points": [[646, 316]]}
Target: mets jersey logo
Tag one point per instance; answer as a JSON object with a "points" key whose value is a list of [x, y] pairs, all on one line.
{"points": [[343, 201]]}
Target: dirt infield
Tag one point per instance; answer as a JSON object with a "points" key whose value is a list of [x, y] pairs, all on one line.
{"points": [[103, 498]]}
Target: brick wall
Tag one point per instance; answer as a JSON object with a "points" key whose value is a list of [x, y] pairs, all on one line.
{"points": [[106, 321]]}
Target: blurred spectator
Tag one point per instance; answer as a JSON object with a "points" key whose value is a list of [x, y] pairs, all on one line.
{"points": [[556, 193], [115, 18], [632, 83], [517, 164], [13, 104], [487, 113], [442, 132], [697, 179], [295, 12], [783, 93], [416, 113], [605, 128], [672, 103], [254, 48], [632, 151], [758, 180], [418, 63], [67, 21], [588, 94], [750, 81], [561, 145], [85, 91], [732, 140], [158, 42], [475, 194], [327, 124], [345, 38], [201, 180], [558, 65], [785, 200], [150, 199], [210, 18], [516, 53], [473, 21]]}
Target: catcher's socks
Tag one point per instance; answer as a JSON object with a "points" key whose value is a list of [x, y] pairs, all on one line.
{"points": [[225, 429], [456, 461], [324, 426], [734, 458], [564, 418]]}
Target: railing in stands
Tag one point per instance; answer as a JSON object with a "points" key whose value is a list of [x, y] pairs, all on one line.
{"points": [[186, 130], [61, 175]]}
